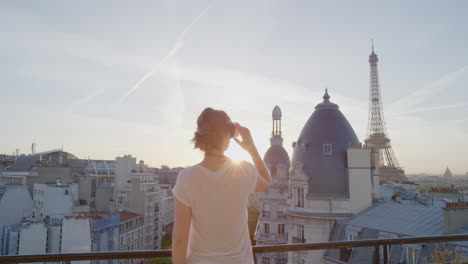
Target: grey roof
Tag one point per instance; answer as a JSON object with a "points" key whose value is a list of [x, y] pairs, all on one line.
{"points": [[404, 219], [25, 163], [301, 213], [327, 174], [387, 190], [276, 155]]}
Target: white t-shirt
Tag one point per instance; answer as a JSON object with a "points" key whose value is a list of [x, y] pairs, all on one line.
{"points": [[218, 232]]}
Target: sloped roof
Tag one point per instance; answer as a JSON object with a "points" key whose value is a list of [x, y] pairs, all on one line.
{"points": [[327, 173], [405, 219], [387, 190], [25, 163], [126, 215]]}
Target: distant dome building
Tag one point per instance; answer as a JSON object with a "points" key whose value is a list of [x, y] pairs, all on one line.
{"points": [[332, 176], [447, 173], [272, 225]]}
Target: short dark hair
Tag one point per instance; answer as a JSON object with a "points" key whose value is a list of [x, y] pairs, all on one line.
{"points": [[212, 125]]}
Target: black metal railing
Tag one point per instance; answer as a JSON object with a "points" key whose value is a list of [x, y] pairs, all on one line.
{"points": [[297, 240], [280, 215], [266, 214], [376, 243]]}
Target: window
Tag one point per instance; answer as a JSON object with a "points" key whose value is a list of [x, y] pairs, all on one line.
{"points": [[350, 237], [300, 233], [281, 229], [266, 228], [327, 149], [265, 260], [300, 197], [280, 171], [266, 210], [412, 254], [300, 261]]}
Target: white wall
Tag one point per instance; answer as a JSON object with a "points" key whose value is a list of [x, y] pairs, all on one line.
{"points": [[53, 201], [315, 231], [360, 179], [33, 239], [15, 204], [76, 236], [123, 168], [54, 239]]}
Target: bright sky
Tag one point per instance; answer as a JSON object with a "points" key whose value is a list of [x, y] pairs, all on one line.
{"points": [[70, 73]]}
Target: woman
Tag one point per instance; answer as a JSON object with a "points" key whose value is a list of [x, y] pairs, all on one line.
{"points": [[210, 224]]}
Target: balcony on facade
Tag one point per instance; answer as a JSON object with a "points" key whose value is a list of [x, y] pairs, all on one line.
{"points": [[272, 215], [280, 215], [266, 214], [272, 238], [298, 240]]}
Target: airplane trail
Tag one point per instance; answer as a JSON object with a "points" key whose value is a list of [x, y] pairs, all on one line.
{"points": [[177, 45]]}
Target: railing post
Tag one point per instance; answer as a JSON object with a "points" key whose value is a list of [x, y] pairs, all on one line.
{"points": [[376, 255], [385, 254]]}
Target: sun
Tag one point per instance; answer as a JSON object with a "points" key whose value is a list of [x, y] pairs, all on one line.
{"points": [[237, 153]]}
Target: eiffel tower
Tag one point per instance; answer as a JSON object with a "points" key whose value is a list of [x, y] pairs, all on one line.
{"points": [[377, 137]]}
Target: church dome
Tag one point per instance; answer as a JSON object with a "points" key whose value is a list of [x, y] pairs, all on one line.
{"points": [[321, 150], [276, 156], [276, 113]]}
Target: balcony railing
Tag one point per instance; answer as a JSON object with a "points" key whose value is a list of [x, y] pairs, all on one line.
{"points": [[266, 214], [376, 243], [297, 240], [281, 215], [273, 238]]}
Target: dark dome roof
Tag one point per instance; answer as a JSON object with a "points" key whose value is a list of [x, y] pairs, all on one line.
{"points": [[275, 156], [327, 173], [26, 162]]}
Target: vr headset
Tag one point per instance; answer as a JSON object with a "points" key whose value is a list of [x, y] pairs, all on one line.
{"points": [[233, 130]]}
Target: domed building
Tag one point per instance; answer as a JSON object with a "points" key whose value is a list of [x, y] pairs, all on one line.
{"points": [[272, 226], [447, 173], [332, 176]]}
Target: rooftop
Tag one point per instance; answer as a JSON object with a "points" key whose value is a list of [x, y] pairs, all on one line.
{"points": [[404, 219], [126, 215]]}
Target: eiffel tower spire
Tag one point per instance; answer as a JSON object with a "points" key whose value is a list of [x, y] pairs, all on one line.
{"points": [[377, 136]]}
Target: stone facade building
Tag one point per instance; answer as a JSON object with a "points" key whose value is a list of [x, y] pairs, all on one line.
{"points": [[272, 226], [332, 176]]}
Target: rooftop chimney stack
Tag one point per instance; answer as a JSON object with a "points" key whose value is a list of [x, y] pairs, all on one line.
{"points": [[455, 216]]}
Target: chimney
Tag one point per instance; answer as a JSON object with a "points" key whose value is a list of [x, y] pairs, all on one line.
{"points": [[455, 216]]}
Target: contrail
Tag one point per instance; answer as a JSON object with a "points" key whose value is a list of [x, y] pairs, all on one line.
{"points": [[177, 45]]}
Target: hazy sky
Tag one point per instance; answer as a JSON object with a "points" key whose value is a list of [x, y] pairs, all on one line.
{"points": [[70, 68]]}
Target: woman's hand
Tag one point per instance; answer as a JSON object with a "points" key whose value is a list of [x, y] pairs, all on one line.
{"points": [[264, 182], [247, 141]]}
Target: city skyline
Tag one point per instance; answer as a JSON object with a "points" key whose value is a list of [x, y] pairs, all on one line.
{"points": [[82, 84]]}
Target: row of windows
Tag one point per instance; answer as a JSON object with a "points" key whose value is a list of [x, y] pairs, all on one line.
{"points": [[130, 237], [266, 228], [38, 192], [266, 207]]}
